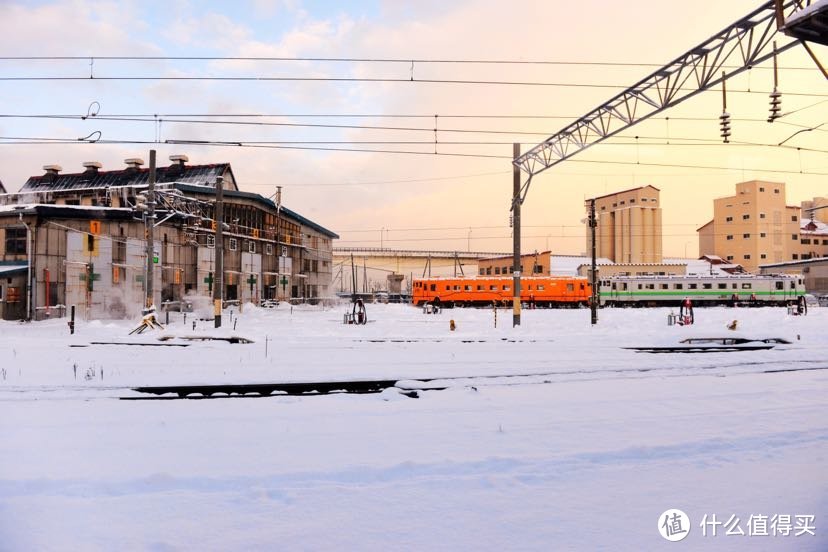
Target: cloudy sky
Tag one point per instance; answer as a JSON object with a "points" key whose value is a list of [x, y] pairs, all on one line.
{"points": [[305, 109]]}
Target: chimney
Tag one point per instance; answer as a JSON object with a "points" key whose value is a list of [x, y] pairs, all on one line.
{"points": [[51, 172], [180, 159], [177, 166], [134, 163], [92, 166]]}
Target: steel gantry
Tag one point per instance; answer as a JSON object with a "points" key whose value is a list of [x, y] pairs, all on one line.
{"points": [[738, 47], [772, 28]]}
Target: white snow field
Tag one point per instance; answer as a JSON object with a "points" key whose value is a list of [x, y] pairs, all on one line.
{"points": [[580, 444]]}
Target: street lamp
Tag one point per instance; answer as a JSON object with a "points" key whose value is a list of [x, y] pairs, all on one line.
{"points": [[382, 234]]}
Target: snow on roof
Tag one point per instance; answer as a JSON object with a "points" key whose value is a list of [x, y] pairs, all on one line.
{"points": [[813, 226], [567, 265], [8, 270]]}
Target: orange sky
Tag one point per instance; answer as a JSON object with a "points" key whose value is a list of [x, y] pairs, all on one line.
{"points": [[423, 201]]}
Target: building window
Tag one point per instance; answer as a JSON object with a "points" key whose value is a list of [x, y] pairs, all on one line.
{"points": [[776, 190], [632, 200], [805, 241], [15, 241], [211, 241], [795, 256], [482, 271], [762, 235], [643, 200], [794, 237], [730, 257], [761, 215], [488, 271], [763, 256], [233, 245], [745, 217], [729, 219], [251, 246], [761, 189], [730, 236], [622, 203], [746, 236], [793, 218], [497, 270], [824, 242], [747, 257], [269, 248]]}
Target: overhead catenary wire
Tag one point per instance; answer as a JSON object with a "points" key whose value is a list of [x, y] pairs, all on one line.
{"points": [[362, 60]]}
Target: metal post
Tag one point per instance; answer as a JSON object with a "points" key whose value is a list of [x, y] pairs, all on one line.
{"points": [[149, 225], [218, 283], [516, 235], [593, 279]]}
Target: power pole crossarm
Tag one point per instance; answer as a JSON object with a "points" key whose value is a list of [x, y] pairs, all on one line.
{"points": [[737, 48]]}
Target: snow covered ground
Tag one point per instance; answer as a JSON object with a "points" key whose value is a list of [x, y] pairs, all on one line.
{"points": [[573, 443]]}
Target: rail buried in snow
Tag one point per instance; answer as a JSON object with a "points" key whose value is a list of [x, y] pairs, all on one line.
{"points": [[714, 345]]}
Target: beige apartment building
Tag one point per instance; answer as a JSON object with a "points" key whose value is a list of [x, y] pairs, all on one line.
{"points": [[629, 226], [757, 227]]}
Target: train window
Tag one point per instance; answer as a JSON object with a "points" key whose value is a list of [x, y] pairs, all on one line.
{"points": [[746, 286], [492, 288], [780, 285], [479, 288], [540, 288], [456, 288], [639, 286], [665, 286], [570, 287], [707, 286], [734, 286], [433, 287], [722, 286], [624, 286], [678, 286], [650, 286], [506, 288], [530, 287], [614, 285], [448, 288], [793, 285], [582, 285], [692, 286]]}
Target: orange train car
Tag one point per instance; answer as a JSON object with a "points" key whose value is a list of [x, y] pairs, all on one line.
{"points": [[543, 291]]}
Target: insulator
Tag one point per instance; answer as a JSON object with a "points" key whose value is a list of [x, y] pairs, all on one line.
{"points": [[724, 122], [775, 105], [511, 220]]}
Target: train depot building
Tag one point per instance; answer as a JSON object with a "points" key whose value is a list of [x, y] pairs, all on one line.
{"points": [[79, 239]]}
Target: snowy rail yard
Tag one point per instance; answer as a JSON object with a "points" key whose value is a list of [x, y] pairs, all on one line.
{"points": [[549, 436]]}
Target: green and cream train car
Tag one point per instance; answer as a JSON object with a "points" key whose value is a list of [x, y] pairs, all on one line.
{"points": [[671, 290]]}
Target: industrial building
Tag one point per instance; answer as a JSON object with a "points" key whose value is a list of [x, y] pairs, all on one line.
{"points": [[757, 227], [79, 239], [628, 226]]}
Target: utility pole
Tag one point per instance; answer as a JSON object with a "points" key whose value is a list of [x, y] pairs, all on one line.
{"points": [[149, 230], [218, 284], [593, 278], [516, 236]]}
